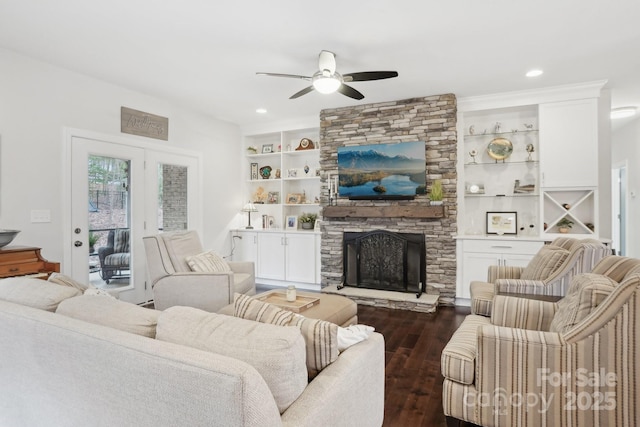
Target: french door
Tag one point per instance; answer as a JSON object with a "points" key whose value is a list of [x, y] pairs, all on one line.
{"points": [[121, 191]]}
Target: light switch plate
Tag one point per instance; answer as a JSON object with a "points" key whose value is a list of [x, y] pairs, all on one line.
{"points": [[40, 215]]}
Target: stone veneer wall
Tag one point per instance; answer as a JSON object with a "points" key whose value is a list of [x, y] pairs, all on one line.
{"points": [[431, 119]]}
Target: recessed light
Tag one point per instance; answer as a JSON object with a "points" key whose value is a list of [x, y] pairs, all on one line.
{"points": [[622, 112], [261, 110], [534, 73]]}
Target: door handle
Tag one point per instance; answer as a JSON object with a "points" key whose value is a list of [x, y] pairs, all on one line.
{"points": [[77, 243]]}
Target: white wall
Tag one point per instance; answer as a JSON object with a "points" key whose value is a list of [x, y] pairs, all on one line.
{"points": [[38, 100], [626, 148]]}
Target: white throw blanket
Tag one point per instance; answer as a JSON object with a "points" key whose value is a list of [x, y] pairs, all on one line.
{"points": [[352, 335]]}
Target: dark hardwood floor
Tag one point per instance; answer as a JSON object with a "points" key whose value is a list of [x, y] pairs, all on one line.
{"points": [[413, 344]]}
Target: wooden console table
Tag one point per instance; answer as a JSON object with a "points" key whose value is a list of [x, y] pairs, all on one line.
{"points": [[25, 261]]}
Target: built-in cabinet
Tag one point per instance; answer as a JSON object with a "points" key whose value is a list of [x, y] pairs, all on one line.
{"points": [[477, 254], [281, 258], [282, 173], [535, 154]]}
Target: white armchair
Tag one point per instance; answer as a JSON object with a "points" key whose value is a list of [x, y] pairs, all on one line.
{"points": [[174, 283]]}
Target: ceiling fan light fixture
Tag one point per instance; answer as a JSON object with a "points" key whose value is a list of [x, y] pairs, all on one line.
{"points": [[623, 112], [326, 83]]}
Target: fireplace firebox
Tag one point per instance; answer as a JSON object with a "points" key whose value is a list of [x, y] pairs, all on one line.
{"points": [[385, 260]]}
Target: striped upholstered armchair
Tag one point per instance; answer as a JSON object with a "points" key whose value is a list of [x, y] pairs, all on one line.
{"points": [[114, 258], [548, 273], [536, 363]]}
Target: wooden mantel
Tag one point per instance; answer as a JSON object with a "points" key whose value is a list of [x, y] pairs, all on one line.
{"points": [[383, 212]]}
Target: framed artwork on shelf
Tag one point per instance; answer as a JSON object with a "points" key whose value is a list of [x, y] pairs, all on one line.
{"points": [[254, 171], [292, 222], [502, 223], [292, 173], [267, 148], [273, 197], [294, 198]]}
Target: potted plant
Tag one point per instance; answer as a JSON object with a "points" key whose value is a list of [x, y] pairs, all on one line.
{"points": [[564, 225], [307, 220], [93, 239], [435, 196]]}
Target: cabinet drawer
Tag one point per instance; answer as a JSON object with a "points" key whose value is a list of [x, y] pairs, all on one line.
{"points": [[20, 269], [502, 246]]}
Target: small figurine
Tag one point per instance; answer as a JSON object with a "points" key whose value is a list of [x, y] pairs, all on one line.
{"points": [[472, 130], [496, 128], [530, 149], [473, 154], [528, 126]]}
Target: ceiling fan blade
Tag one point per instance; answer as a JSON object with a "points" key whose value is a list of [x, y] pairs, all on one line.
{"points": [[369, 75], [327, 61], [293, 76], [304, 91], [350, 92]]}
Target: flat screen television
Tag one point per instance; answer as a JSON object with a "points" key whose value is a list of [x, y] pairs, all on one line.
{"points": [[382, 171]]}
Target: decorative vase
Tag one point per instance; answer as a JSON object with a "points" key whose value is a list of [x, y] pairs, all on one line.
{"points": [[307, 225], [435, 202], [563, 230]]}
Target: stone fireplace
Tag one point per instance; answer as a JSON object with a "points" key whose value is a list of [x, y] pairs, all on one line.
{"points": [[430, 119], [383, 260]]}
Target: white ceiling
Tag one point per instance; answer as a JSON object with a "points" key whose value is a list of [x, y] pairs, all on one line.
{"points": [[203, 54]]}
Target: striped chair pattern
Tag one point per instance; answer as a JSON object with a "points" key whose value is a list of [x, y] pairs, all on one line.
{"points": [[517, 369], [582, 256]]}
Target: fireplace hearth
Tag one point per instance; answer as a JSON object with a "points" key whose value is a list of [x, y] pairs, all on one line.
{"points": [[385, 260]]}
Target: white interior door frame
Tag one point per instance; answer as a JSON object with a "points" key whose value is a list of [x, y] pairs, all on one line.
{"points": [[149, 211]]}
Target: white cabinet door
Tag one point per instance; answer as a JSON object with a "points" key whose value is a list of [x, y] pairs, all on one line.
{"points": [[475, 267], [300, 258], [271, 258], [246, 246], [516, 260], [569, 143]]}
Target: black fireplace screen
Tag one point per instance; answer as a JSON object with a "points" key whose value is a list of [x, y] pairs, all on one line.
{"points": [[385, 260]]}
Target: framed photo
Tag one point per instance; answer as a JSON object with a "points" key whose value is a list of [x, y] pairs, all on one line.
{"points": [[254, 171], [267, 148], [502, 222], [273, 197], [316, 226], [294, 198], [292, 173], [292, 222]]}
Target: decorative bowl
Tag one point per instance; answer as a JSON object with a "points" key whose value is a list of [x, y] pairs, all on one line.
{"points": [[7, 236]]}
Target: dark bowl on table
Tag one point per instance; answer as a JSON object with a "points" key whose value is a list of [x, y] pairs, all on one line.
{"points": [[7, 236]]}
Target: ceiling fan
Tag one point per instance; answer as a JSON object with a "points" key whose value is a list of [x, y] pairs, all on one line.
{"points": [[328, 80]]}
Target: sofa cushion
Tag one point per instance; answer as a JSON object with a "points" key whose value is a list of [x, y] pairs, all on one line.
{"points": [[110, 312], [277, 353], [544, 263], [253, 309], [207, 262], [35, 293], [321, 337], [585, 293], [63, 280], [243, 283], [458, 360]]}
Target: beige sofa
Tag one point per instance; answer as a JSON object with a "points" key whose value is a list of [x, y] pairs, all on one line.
{"points": [[58, 370]]}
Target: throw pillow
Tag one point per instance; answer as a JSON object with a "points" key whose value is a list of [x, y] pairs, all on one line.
{"points": [[249, 308], [35, 293], [277, 353], [63, 280], [112, 313], [585, 294], [546, 261], [207, 262], [321, 337]]}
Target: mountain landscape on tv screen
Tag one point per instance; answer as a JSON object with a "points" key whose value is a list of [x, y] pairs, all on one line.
{"points": [[384, 170]]}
